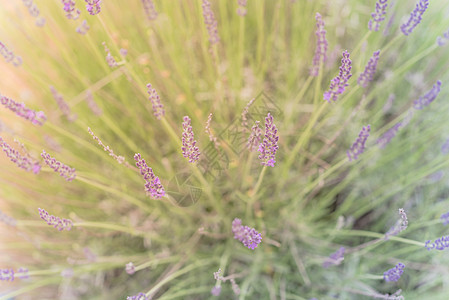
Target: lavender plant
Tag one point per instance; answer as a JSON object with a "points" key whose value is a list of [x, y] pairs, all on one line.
{"points": [[234, 158]]}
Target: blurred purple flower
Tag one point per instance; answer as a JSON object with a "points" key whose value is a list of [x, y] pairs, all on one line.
{"points": [[4, 218], [158, 108], [321, 46], [83, 28], [443, 40], [57, 166], [269, 145], [399, 226], [7, 274], [216, 290], [153, 185], [23, 162], [395, 273], [37, 118], [359, 145], [340, 82], [241, 10], [445, 218], [388, 135], [428, 97], [189, 148], [9, 55], [378, 16], [130, 269], [56, 222], [139, 296], [247, 235], [93, 6], [415, 17], [445, 147], [92, 105], [439, 244], [370, 69], [109, 58], [63, 106], [150, 10], [71, 11], [255, 137], [335, 258], [210, 22]]}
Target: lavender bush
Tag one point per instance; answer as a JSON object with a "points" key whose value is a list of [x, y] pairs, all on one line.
{"points": [[148, 144]]}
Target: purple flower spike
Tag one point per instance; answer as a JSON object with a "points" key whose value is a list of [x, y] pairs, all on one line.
{"points": [[150, 10], [71, 11], [210, 22], [415, 17], [443, 40], [359, 145], [93, 7], [56, 222], [428, 97], [247, 235], [321, 46], [378, 15], [241, 10], [37, 118], [255, 137], [189, 148], [83, 28], [63, 106], [216, 290], [340, 82], [109, 58], [153, 185], [6, 274], [24, 162], [439, 244], [335, 258], [395, 273], [370, 69], [57, 166], [388, 135], [139, 296], [158, 108], [269, 145], [445, 218]]}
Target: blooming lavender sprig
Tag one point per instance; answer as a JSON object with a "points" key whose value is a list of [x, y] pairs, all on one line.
{"points": [[359, 145], [158, 108], [210, 22], [10, 275], [445, 218], [335, 258], [439, 244], [83, 28], [340, 82], [269, 145], [189, 148], [255, 137], [23, 162], [57, 166], [428, 97], [10, 56], [109, 58], [71, 11], [150, 10], [378, 16], [63, 106], [93, 6], [247, 235], [56, 222], [388, 135], [35, 117], [153, 185], [443, 40], [139, 296], [321, 46], [241, 10], [395, 273], [370, 69], [415, 17]]}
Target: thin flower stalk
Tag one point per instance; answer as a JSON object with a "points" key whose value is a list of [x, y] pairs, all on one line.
{"points": [[245, 114], [92, 105], [10, 221], [400, 225], [64, 171], [386, 138]]}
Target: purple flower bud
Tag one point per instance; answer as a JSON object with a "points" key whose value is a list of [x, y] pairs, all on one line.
{"points": [[395, 273], [269, 145], [93, 6], [445, 218], [158, 108], [378, 15], [92, 105], [150, 10], [24, 162], [130, 269], [83, 28], [443, 40], [57, 166], [255, 137], [210, 22], [247, 235], [340, 82], [37, 118], [359, 145], [139, 296], [56, 222], [153, 185], [189, 148], [321, 46], [428, 97], [70, 9], [370, 69], [6, 274], [415, 17], [335, 258]]}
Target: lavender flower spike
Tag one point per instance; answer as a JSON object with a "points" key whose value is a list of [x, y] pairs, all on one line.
{"points": [[153, 185], [37, 118], [109, 58], [335, 258], [395, 273], [57, 166], [388, 135], [378, 15], [415, 17], [445, 218], [269, 145], [56, 222], [189, 148], [359, 145], [340, 82], [321, 46], [24, 162], [150, 10], [370, 69], [139, 296], [71, 11], [93, 6], [443, 40], [254, 138], [247, 235], [428, 97], [158, 108], [210, 22], [439, 244]]}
